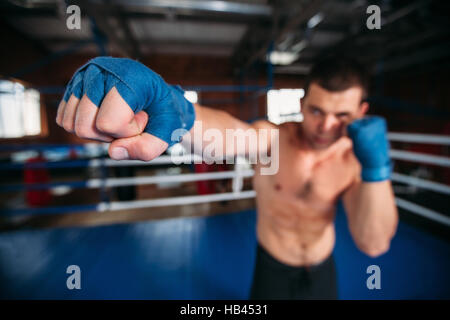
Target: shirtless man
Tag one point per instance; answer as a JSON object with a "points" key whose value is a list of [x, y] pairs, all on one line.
{"points": [[334, 153]]}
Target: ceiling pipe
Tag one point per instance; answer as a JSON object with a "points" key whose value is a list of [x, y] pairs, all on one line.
{"points": [[200, 5]]}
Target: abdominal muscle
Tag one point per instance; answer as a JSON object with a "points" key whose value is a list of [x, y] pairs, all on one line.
{"points": [[294, 234]]}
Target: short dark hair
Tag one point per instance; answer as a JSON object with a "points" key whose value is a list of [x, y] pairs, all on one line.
{"points": [[338, 74]]}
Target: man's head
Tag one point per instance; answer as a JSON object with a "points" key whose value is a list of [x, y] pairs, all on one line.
{"points": [[335, 93]]}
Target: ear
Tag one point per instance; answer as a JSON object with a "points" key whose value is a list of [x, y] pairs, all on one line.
{"points": [[302, 103], [363, 108]]}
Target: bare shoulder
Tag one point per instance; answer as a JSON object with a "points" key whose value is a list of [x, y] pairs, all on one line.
{"points": [[264, 124], [285, 130], [268, 134], [290, 130]]}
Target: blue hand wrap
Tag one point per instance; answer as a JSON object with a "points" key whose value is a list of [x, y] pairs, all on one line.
{"points": [[371, 147], [141, 88]]}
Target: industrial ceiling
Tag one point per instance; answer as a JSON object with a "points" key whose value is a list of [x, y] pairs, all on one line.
{"points": [[304, 30]]}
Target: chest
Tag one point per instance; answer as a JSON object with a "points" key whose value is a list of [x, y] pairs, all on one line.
{"points": [[305, 178]]}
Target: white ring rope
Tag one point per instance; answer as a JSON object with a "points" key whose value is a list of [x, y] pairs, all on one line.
{"points": [[395, 154], [159, 160], [419, 157], [165, 159], [421, 183], [238, 175], [114, 182], [185, 200], [117, 182], [422, 211], [419, 138], [162, 202]]}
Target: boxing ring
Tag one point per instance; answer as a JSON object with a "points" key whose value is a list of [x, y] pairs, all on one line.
{"points": [[206, 257]]}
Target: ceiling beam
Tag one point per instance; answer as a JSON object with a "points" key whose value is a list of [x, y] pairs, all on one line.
{"points": [[197, 5], [423, 56], [110, 23], [350, 42], [250, 50], [124, 24], [156, 14], [25, 37]]}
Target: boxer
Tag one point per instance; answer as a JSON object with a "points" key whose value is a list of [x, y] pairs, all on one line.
{"points": [[336, 152]]}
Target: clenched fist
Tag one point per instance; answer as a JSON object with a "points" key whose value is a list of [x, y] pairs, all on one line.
{"points": [[122, 101]]}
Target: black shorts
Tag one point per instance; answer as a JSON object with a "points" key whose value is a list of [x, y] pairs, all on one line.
{"points": [[275, 280]]}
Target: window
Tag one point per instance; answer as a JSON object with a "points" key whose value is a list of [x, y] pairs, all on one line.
{"points": [[284, 105], [191, 96], [20, 110]]}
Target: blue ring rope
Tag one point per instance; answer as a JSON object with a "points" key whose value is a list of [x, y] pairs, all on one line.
{"points": [[48, 210]]}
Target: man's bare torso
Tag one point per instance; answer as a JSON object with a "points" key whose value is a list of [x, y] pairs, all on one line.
{"points": [[296, 206]]}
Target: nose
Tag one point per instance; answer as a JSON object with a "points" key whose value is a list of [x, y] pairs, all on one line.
{"points": [[328, 123]]}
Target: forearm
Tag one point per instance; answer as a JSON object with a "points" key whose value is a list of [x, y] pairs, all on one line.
{"points": [[217, 119], [210, 130], [372, 216]]}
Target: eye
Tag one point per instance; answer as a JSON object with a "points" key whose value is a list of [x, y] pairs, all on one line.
{"points": [[343, 116], [316, 111]]}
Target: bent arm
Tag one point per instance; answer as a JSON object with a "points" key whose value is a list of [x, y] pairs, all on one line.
{"points": [[372, 215]]}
